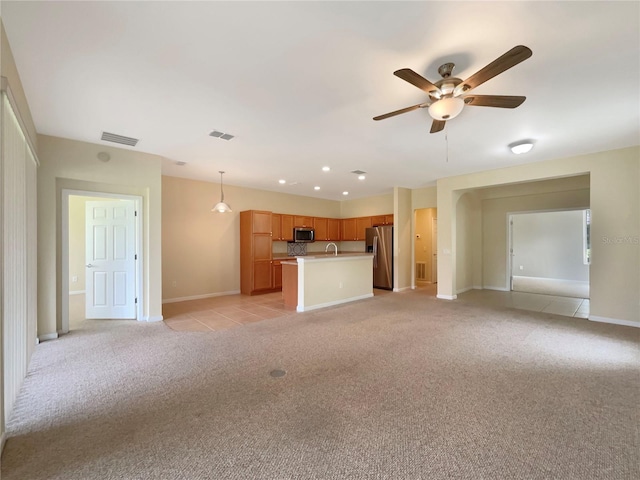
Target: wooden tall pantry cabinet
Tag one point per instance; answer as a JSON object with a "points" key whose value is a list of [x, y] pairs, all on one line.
{"points": [[255, 252]]}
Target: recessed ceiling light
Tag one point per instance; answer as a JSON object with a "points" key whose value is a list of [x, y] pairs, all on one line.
{"points": [[282, 181], [316, 188], [345, 193], [361, 177], [326, 169], [520, 147]]}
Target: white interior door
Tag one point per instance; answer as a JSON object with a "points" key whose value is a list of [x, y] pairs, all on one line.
{"points": [[110, 259]]}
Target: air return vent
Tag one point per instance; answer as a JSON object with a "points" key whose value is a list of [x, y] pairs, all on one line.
{"points": [[112, 137], [223, 136]]}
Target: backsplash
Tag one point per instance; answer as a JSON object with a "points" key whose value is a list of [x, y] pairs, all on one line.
{"points": [[295, 249]]}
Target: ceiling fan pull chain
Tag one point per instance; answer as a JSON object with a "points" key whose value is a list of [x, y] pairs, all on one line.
{"points": [[446, 139]]}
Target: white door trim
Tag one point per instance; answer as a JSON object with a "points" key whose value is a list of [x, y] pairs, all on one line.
{"points": [[64, 279]]}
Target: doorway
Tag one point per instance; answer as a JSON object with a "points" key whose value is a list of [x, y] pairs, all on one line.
{"points": [[79, 302], [549, 252], [425, 247]]}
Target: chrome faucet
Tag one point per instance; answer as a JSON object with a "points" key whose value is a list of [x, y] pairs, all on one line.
{"points": [[326, 249]]}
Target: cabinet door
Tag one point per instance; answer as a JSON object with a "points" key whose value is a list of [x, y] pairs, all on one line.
{"points": [[300, 221], [262, 275], [262, 246], [287, 227], [388, 219], [377, 220], [321, 228], [348, 229], [362, 224], [333, 229], [262, 222], [277, 274], [276, 226]]}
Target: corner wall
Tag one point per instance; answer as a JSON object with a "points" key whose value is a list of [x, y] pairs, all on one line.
{"points": [[615, 228], [73, 165]]}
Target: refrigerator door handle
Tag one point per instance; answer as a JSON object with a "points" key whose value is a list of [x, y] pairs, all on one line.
{"points": [[375, 252]]}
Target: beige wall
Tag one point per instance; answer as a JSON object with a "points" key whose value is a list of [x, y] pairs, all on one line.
{"points": [[615, 206], [424, 198], [10, 72], [402, 239], [72, 165], [365, 207], [468, 240], [200, 248]]}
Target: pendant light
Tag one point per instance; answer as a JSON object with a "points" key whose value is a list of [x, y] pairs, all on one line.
{"points": [[221, 207]]}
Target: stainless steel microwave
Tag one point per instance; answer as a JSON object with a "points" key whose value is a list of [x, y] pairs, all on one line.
{"points": [[304, 234]]}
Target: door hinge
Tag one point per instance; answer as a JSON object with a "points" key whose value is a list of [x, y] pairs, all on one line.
{"points": [[136, 301], [135, 257], [135, 213]]}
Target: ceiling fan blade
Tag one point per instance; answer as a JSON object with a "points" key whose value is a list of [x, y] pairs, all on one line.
{"points": [[398, 112], [437, 125], [417, 80], [511, 58], [501, 101]]}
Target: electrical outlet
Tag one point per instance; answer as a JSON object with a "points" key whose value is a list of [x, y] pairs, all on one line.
{"points": [[174, 284], [74, 278], [340, 285], [521, 267]]}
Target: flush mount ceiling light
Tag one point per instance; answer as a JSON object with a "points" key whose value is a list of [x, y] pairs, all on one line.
{"points": [[316, 188], [221, 207], [282, 181], [345, 193], [361, 177], [522, 146], [326, 169]]}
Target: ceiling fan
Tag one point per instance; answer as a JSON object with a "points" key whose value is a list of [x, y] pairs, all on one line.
{"points": [[447, 97]]}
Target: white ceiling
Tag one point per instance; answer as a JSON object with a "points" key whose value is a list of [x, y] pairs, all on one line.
{"points": [[299, 82]]}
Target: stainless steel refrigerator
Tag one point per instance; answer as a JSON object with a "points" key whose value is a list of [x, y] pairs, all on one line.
{"points": [[379, 241]]}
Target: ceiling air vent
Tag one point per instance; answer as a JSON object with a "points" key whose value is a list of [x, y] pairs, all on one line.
{"points": [[112, 137], [358, 172], [224, 136]]}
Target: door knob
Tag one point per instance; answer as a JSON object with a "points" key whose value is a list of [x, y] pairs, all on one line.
{"points": [[89, 265]]}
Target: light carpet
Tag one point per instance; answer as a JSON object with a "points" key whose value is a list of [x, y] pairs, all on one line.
{"points": [[400, 386]]}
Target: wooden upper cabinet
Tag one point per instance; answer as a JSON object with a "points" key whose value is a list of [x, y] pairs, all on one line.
{"points": [[286, 226], [333, 230], [300, 221], [381, 220], [348, 229], [321, 227], [362, 223], [261, 222], [276, 226]]}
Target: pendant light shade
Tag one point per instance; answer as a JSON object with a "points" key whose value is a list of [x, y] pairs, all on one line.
{"points": [[221, 207], [446, 109]]}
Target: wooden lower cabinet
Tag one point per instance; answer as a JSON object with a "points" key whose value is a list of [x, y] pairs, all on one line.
{"points": [[256, 275], [276, 274]]}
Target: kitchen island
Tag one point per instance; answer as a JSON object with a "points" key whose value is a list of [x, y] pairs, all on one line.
{"points": [[316, 281]]}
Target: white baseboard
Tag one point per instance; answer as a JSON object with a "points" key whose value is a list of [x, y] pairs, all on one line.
{"points": [[77, 292], [465, 289], [154, 318], [499, 289], [615, 321], [336, 302], [47, 336], [402, 289], [446, 297], [198, 297]]}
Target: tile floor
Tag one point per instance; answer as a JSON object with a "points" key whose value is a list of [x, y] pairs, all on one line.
{"points": [[232, 311], [223, 313]]}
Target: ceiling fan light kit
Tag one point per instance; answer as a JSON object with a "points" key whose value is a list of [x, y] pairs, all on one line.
{"points": [[448, 96], [446, 109]]}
